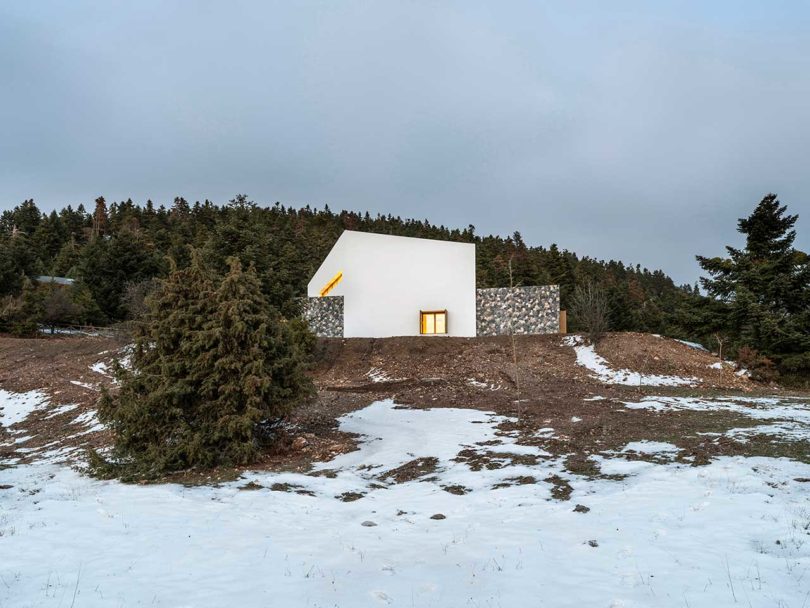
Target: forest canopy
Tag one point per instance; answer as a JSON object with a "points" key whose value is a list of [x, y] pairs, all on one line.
{"points": [[113, 248]]}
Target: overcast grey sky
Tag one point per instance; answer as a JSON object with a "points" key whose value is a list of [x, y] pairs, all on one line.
{"points": [[637, 131]]}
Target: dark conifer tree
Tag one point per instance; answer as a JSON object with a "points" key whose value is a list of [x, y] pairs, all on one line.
{"points": [[107, 265], [100, 218], [211, 369], [255, 368], [765, 287], [155, 416], [28, 311]]}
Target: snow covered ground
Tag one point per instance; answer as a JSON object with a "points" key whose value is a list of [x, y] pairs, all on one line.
{"points": [[784, 417], [589, 359], [733, 532], [760, 408], [15, 407]]}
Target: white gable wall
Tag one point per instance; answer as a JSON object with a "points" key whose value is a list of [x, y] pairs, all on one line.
{"points": [[387, 280]]}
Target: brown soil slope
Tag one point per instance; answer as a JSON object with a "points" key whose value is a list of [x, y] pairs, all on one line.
{"points": [[547, 387], [452, 370]]}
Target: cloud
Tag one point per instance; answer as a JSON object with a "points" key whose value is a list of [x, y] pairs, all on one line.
{"points": [[619, 131]]}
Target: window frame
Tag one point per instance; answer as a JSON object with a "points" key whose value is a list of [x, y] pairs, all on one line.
{"points": [[422, 325]]}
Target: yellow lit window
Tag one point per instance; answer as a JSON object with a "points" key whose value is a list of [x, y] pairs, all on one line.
{"points": [[433, 322]]}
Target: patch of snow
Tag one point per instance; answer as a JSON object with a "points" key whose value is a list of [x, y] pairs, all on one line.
{"points": [[716, 365], [594, 398], [89, 419], [18, 440], [589, 359], [572, 340], [15, 407], [694, 345], [743, 373], [478, 384], [395, 436], [85, 385], [789, 431], [650, 447], [576, 419], [668, 535], [375, 374], [62, 409], [792, 416], [64, 331], [57, 455], [125, 356], [101, 368]]}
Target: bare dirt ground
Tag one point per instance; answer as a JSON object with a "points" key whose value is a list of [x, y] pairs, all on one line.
{"points": [[547, 389]]}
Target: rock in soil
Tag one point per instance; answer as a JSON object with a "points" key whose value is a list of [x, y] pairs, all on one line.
{"points": [[299, 443], [251, 485], [350, 496], [456, 489]]}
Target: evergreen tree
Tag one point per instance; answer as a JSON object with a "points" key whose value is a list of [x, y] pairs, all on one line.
{"points": [[100, 218], [107, 265], [256, 368], [243, 233], [66, 261], [24, 218], [765, 288], [154, 415], [50, 235], [211, 367], [18, 259], [26, 313]]}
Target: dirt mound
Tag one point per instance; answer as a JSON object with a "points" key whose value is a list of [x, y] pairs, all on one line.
{"points": [[651, 354], [449, 371], [471, 367]]}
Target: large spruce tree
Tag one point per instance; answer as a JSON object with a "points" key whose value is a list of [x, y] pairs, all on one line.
{"points": [[766, 288], [210, 364], [254, 364]]}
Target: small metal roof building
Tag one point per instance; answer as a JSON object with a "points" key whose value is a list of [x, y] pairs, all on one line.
{"points": [[55, 280]]}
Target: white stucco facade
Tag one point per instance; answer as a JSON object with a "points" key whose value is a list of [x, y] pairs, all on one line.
{"points": [[388, 280]]}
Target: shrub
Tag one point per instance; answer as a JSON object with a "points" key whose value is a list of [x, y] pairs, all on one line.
{"points": [[213, 366], [761, 368], [589, 307]]}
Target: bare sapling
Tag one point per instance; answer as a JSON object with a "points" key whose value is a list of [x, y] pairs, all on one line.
{"points": [[720, 339], [590, 308], [512, 338]]}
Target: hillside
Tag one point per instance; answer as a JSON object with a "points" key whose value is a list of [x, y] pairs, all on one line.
{"points": [[554, 373]]}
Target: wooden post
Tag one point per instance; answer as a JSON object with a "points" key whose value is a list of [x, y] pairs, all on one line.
{"points": [[563, 322]]}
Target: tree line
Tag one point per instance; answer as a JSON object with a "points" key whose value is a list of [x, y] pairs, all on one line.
{"points": [[754, 301]]}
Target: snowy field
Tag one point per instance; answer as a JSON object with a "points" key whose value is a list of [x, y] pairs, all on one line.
{"points": [[735, 532]]}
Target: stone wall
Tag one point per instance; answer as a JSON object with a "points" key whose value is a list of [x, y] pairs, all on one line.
{"points": [[534, 310], [325, 316]]}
